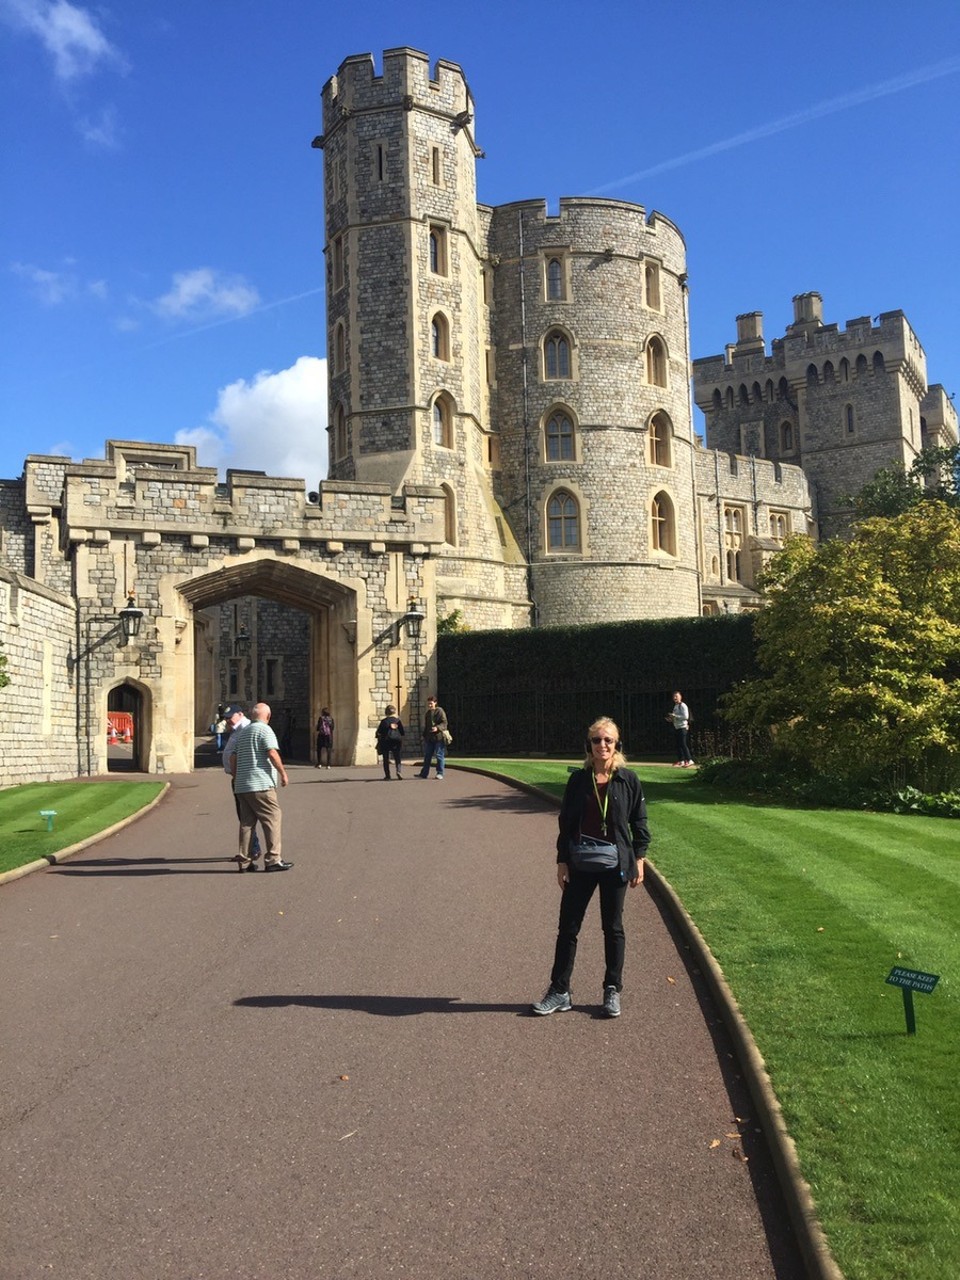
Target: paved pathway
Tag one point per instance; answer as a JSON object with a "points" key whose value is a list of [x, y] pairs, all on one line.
{"points": [[332, 1072]]}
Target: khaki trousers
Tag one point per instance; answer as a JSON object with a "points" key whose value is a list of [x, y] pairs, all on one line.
{"points": [[262, 807]]}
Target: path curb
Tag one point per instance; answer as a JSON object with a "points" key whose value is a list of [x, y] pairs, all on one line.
{"points": [[817, 1257], [52, 859]]}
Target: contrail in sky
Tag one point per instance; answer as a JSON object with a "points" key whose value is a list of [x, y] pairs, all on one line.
{"points": [[816, 112], [216, 324]]}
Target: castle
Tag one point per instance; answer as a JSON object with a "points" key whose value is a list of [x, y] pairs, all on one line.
{"points": [[511, 436]]}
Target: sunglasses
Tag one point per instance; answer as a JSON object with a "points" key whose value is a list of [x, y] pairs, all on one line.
{"points": [[607, 742]]}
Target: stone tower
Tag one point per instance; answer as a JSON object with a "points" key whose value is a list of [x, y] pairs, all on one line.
{"points": [[840, 403], [531, 368], [408, 315]]}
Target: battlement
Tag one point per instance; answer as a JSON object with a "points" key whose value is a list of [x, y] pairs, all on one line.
{"points": [[405, 81], [617, 227], [809, 340]]}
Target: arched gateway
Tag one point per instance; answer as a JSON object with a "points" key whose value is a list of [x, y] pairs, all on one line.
{"points": [[227, 576]]}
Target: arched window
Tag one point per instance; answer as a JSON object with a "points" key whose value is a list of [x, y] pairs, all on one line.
{"points": [[440, 337], [556, 355], [651, 284], [734, 523], [559, 438], [340, 350], [656, 362], [555, 291], [849, 422], [339, 433], [828, 374], [563, 522], [786, 437], [783, 389], [442, 417], [757, 393], [661, 433], [813, 375], [844, 370], [729, 397], [717, 400], [744, 394], [449, 516], [438, 250], [663, 525], [778, 526], [862, 365], [878, 364], [770, 395]]}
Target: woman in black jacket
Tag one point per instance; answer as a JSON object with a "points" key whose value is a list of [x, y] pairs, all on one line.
{"points": [[601, 844]]}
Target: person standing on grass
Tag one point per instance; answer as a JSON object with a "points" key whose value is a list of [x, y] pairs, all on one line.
{"points": [[601, 844], [679, 717], [256, 764]]}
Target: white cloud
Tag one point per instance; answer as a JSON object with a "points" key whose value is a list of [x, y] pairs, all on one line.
{"points": [[274, 423], [204, 293], [101, 130], [51, 287], [69, 34]]}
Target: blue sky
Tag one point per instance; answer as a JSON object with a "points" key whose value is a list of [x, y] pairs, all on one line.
{"points": [[161, 214]]}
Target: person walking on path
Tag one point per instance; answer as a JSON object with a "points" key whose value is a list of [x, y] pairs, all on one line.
{"points": [[256, 764], [679, 717], [390, 733], [236, 720], [435, 738], [601, 844], [325, 728]]}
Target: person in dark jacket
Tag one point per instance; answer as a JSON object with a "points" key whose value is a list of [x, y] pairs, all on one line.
{"points": [[601, 844], [390, 733], [435, 731]]}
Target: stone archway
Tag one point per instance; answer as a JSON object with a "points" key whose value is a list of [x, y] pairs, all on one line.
{"points": [[208, 655], [128, 709]]}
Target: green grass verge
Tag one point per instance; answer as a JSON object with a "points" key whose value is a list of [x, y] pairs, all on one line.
{"points": [[83, 809], [806, 911]]}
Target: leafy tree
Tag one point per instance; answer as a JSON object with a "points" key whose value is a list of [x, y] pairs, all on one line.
{"points": [[859, 649], [934, 475], [451, 623]]}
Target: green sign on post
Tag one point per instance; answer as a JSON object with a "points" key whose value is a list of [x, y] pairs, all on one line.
{"points": [[909, 981]]}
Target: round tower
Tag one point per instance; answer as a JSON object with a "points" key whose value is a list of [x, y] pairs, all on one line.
{"points": [[593, 409]]}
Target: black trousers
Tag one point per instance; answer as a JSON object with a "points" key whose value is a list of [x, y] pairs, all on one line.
{"points": [[573, 906], [391, 751]]}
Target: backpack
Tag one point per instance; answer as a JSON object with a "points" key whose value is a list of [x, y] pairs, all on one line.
{"points": [[393, 731]]}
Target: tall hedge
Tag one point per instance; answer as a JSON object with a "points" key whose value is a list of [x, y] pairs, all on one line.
{"points": [[536, 690]]}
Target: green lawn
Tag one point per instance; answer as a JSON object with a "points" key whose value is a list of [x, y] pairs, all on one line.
{"points": [[82, 808], [807, 911]]}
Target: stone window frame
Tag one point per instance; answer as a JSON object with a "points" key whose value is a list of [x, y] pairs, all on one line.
{"points": [[558, 334], [440, 336], [338, 263], [660, 447], [663, 523], [555, 273], [554, 412], [339, 440], [273, 676], [442, 409], [656, 364], [652, 281], [438, 249], [734, 536], [449, 515], [779, 522], [788, 437], [436, 166], [569, 515], [340, 347], [379, 154], [849, 421]]}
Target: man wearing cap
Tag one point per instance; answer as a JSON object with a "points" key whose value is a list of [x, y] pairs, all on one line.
{"points": [[256, 765], [236, 720]]}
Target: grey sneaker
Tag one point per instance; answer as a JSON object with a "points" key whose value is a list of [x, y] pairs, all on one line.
{"points": [[553, 1002], [611, 1002]]}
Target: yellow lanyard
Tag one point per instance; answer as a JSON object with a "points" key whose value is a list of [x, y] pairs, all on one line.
{"points": [[602, 806]]}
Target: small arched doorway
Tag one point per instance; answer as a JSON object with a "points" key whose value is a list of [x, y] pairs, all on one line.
{"points": [[126, 729]]}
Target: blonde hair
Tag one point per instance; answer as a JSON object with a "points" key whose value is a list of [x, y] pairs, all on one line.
{"points": [[619, 760]]}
